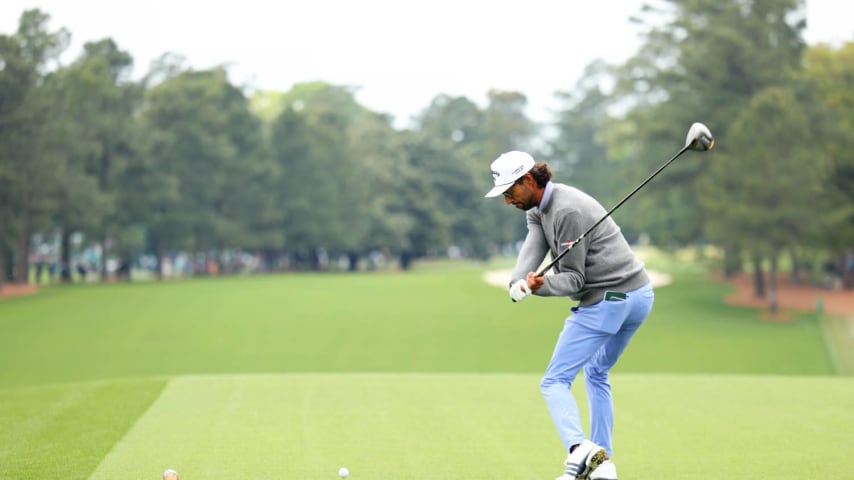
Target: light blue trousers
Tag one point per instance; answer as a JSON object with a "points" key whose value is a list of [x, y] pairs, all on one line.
{"points": [[593, 338]]}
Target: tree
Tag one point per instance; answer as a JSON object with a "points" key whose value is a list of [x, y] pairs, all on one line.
{"points": [[702, 60], [830, 71], [319, 157], [383, 178], [95, 104], [201, 135], [28, 169], [449, 150], [457, 143], [766, 186], [593, 148], [426, 196]]}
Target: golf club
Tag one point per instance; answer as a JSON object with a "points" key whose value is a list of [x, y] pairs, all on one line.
{"points": [[699, 139]]}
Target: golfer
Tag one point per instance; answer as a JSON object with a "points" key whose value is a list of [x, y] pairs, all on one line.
{"points": [[603, 275]]}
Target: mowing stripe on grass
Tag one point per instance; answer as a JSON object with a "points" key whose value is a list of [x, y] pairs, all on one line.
{"points": [[63, 431], [838, 334], [469, 426], [303, 426]]}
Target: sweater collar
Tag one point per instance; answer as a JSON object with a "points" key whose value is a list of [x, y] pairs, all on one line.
{"points": [[547, 195]]}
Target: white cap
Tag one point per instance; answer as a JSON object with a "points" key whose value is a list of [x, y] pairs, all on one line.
{"points": [[508, 168]]}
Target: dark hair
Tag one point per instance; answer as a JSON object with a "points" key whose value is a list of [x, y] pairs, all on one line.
{"points": [[541, 173]]}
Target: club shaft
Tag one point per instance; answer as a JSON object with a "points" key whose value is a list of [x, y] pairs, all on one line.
{"points": [[608, 214]]}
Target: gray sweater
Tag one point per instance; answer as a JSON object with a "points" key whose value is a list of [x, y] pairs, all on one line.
{"points": [[602, 261]]}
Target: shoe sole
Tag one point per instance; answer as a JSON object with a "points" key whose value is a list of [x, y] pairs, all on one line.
{"points": [[593, 461]]}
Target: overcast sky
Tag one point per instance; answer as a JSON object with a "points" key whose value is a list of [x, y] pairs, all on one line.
{"points": [[399, 53]]}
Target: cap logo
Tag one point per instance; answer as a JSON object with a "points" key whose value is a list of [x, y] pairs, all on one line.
{"points": [[495, 175], [521, 167]]}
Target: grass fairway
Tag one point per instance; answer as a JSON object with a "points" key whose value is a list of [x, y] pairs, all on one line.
{"points": [[63, 431], [839, 337], [466, 426], [435, 320], [428, 374]]}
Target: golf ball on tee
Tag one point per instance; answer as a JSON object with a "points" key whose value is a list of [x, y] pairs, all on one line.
{"points": [[343, 472]]}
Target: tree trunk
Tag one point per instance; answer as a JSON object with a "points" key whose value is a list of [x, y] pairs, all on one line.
{"points": [[848, 269], [2, 257], [2, 264], [105, 247], [8, 272], [158, 256], [103, 182], [201, 261], [19, 271], [405, 260], [732, 260], [23, 258], [796, 268], [772, 286], [65, 256], [758, 278]]}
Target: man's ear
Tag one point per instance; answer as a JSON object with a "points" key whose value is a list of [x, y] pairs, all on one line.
{"points": [[529, 181]]}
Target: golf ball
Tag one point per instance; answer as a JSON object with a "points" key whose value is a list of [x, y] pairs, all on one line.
{"points": [[343, 472]]}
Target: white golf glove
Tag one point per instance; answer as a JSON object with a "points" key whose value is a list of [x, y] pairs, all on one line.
{"points": [[519, 290]]}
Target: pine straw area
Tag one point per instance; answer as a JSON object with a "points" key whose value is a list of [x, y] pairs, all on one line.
{"points": [[791, 297]]}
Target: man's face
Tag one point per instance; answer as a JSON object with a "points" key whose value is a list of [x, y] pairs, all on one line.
{"points": [[521, 195]]}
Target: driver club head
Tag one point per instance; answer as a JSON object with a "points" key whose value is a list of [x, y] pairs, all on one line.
{"points": [[699, 138]]}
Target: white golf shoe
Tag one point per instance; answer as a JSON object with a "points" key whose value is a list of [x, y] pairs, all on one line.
{"points": [[606, 471], [586, 457]]}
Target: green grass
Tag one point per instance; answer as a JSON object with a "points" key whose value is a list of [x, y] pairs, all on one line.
{"points": [[692, 330], [428, 321], [682, 261], [839, 337], [437, 426], [394, 375], [65, 430]]}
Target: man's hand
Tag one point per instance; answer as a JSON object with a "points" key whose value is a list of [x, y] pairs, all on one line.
{"points": [[535, 281], [519, 290]]}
